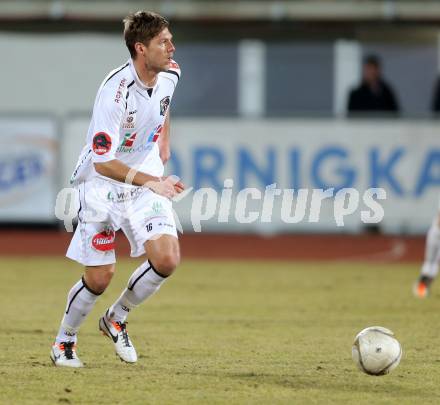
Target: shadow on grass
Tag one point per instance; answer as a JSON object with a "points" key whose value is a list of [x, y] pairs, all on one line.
{"points": [[328, 383]]}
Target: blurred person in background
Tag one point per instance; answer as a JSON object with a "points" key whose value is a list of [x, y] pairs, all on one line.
{"points": [[373, 96], [120, 185]]}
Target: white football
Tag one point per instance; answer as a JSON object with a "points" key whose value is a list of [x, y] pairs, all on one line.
{"points": [[376, 351]]}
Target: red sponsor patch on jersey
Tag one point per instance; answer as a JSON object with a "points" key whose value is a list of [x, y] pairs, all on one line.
{"points": [[104, 241], [102, 143]]}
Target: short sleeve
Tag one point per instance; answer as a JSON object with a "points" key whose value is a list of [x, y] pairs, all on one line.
{"points": [[107, 116], [174, 72], [174, 66]]}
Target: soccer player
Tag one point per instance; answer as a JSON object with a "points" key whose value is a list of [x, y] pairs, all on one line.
{"points": [[120, 185], [429, 269]]}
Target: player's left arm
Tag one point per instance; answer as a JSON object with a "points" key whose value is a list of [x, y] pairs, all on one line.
{"points": [[174, 74], [164, 148], [164, 140]]}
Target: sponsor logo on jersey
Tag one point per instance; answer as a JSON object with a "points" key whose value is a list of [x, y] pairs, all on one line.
{"points": [[125, 195], [102, 143], [157, 210], [157, 207], [128, 124], [154, 134], [165, 225], [104, 241], [118, 94], [127, 142], [136, 149], [164, 104]]}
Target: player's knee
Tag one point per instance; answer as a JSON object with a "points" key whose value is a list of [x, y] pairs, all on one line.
{"points": [[100, 285], [166, 263], [98, 279]]}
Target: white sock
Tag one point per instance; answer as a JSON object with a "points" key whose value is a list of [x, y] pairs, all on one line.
{"points": [[143, 283], [80, 302], [432, 251]]}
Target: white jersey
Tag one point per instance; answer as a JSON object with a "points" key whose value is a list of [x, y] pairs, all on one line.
{"points": [[127, 121]]}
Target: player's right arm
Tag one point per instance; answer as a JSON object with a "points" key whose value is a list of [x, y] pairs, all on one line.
{"points": [[107, 116], [119, 171]]}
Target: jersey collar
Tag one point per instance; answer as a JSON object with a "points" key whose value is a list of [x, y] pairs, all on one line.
{"points": [[138, 81]]}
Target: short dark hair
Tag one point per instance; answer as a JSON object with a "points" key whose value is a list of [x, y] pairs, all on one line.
{"points": [[372, 60], [142, 26]]}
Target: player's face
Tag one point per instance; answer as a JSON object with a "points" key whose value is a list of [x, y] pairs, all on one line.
{"points": [[159, 52]]}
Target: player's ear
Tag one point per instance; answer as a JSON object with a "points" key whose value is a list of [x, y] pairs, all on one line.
{"points": [[140, 48]]}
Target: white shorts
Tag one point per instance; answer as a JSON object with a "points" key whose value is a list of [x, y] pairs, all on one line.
{"points": [[106, 207]]}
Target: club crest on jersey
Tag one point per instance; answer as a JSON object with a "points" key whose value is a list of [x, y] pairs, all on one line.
{"points": [[102, 143], [154, 134], [164, 104], [104, 241]]}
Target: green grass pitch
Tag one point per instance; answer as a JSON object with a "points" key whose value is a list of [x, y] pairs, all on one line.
{"points": [[223, 332]]}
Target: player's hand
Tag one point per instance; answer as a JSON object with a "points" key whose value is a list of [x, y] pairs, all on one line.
{"points": [[167, 187], [163, 187], [178, 185]]}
